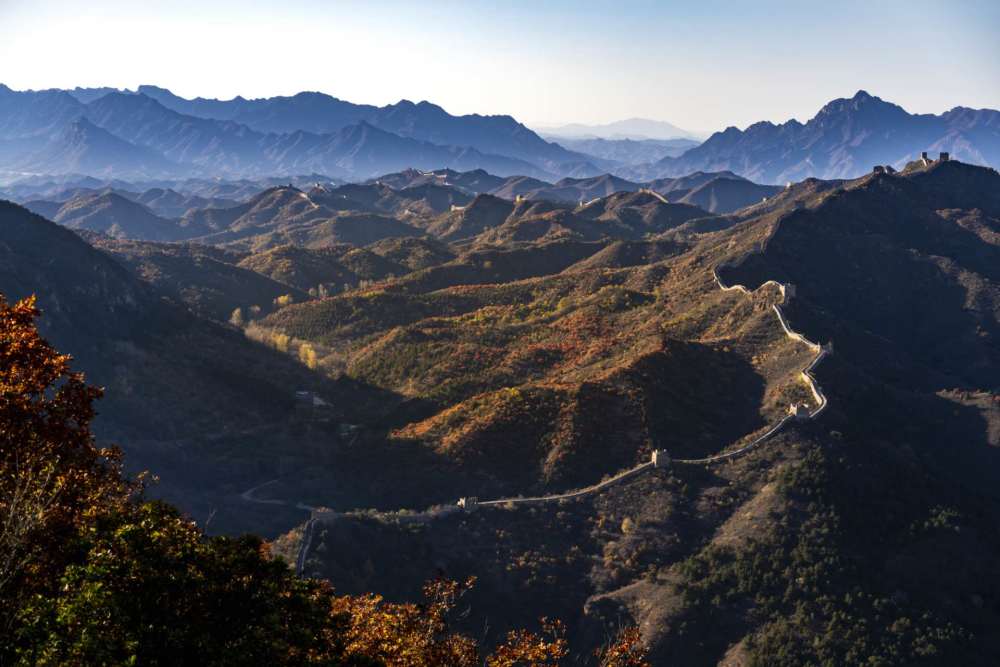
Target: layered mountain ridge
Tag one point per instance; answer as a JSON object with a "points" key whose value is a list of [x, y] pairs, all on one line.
{"points": [[844, 140], [309, 132], [153, 133]]}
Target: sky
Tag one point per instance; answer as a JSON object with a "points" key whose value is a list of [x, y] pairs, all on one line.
{"points": [[701, 65]]}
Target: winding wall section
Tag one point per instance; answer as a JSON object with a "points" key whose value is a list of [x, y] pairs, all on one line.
{"points": [[807, 376]]}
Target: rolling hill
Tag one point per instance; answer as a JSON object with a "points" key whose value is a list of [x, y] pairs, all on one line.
{"points": [[111, 214]]}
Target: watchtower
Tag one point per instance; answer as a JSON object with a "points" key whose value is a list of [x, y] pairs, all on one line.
{"points": [[660, 458], [469, 503], [944, 157], [798, 411]]}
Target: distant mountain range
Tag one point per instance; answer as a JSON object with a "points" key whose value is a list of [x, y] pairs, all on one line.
{"points": [[844, 140], [631, 128], [628, 151], [151, 133]]}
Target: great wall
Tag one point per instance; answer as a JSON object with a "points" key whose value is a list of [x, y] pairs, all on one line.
{"points": [[658, 458]]}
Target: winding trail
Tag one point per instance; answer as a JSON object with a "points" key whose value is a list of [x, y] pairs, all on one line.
{"points": [[796, 412]]}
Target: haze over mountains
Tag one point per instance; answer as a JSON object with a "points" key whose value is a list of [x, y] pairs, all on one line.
{"points": [[631, 128], [132, 134], [152, 133], [843, 140]]}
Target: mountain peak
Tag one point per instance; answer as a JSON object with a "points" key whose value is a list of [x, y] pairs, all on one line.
{"points": [[861, 100], [149, 88]]}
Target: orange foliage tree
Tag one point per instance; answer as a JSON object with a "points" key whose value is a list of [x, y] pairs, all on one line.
{"points": [[53, 472]]}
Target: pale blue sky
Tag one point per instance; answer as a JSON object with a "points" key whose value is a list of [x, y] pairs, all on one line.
{"points": [[701, 65]]}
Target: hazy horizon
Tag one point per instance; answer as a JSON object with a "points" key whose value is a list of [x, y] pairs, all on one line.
{"points": [[546, 65]]}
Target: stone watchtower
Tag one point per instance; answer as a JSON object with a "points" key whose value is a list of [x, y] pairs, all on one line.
{"points": [[798, 411], [660, 458], [468, 504]]}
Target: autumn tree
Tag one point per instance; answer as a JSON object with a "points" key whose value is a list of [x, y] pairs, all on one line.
{"points": [[308, 356], [626, 651], [94, 574], [52, 473], [529, 649], [408, 635]]}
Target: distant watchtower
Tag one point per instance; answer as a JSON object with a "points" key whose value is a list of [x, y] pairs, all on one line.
{"points": [[468, 504], [944, 157], [798, 411], [660, 458]]}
